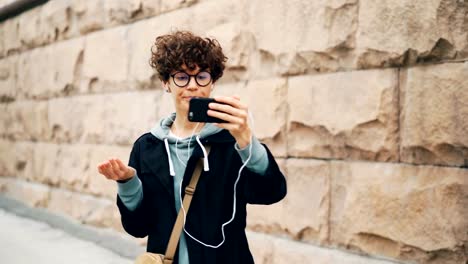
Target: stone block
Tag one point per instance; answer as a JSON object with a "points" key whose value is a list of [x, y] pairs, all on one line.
{"points": [[86, 208], [88, 15], [29, 29], [2, 41], [347, 115], [142, 35], [145, 8], [8, 78], [411, 213], [55, 71], [30, 193], [106, 63], [238, 46], [26, 120], [281, 26], [11, 40], [23, 153], [57, 21], [47, 162], [407, 32], [434, 119], [171, 5], [303, 213], [274, 250], [7, 161], [112, 119], [295, 37]]}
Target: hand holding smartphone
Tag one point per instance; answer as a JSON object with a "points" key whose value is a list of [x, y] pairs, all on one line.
{"points": [[198, 110]]}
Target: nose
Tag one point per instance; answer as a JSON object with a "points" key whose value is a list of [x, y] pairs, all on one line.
{"points": [[192, 83]]}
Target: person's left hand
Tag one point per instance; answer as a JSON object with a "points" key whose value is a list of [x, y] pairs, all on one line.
{"points": [[236, 114]]}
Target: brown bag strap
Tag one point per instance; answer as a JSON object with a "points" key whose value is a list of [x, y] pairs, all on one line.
{"points": [[177, 230]]}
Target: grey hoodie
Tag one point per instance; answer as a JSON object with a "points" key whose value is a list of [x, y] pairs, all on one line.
{"points": [[179, 151]]}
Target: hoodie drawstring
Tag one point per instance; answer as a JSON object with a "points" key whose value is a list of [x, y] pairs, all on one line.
{"points": [[171, 165], [206, 166]]}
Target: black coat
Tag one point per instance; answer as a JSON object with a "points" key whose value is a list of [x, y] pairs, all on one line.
{"points": [[212, 203]]}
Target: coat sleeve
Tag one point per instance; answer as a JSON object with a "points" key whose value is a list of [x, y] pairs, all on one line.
{"points": [[267, 188], [134, 222]]}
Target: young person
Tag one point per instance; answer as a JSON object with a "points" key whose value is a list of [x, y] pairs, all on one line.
{"points": [[240, 170]]}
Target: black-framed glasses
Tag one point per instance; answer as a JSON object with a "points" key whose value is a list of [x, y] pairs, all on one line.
{"points": [[181, 79]]}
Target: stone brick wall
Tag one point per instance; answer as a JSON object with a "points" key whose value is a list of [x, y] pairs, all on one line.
{"points": [[364, 103]]}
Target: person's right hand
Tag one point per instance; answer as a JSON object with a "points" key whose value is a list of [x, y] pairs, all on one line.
{"points": [[114, 169]]}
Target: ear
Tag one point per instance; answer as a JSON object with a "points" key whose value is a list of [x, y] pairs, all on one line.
{"points": [[166, 86]]}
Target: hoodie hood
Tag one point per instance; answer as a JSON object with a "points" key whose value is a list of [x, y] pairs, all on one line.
{"points": [[174, 145], [162, 129]]}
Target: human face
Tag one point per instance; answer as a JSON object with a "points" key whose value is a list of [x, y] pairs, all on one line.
{"points": [[182, 95]]}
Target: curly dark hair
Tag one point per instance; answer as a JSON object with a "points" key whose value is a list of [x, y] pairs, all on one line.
{"points": [[171, 51]]}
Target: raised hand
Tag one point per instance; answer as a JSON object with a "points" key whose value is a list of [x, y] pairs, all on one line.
{"points": [[114, 169], [236, 114]]}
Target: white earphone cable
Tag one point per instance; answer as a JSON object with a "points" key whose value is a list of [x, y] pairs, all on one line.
{"points": [[234, 200]]}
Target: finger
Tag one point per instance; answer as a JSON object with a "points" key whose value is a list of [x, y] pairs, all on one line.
{"points": [[227, 126], [125, 168], [237, 109], [230, 101], [107, 171], [121, 165], [227, 109], [115, 167], [226, 117]]}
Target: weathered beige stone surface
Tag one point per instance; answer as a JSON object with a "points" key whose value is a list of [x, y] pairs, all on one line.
{"points": [[2, 40], [22, 159], [106, 118], [11, 40], [266, 100], [284, 26], [30, 193], [412, 213], [29, 25], [25, 120], [407, 31], [106, 63], [51, 71], [434, 123], [351, 115], [84, 208], [7, 161], [268, 249], [294, 37], [90, 14], [238, 46], [303, 213], [8, 78], [141, 37], [56, 21]]}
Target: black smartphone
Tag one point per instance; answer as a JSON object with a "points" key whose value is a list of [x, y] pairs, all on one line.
{"points": [[198, 108]]}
